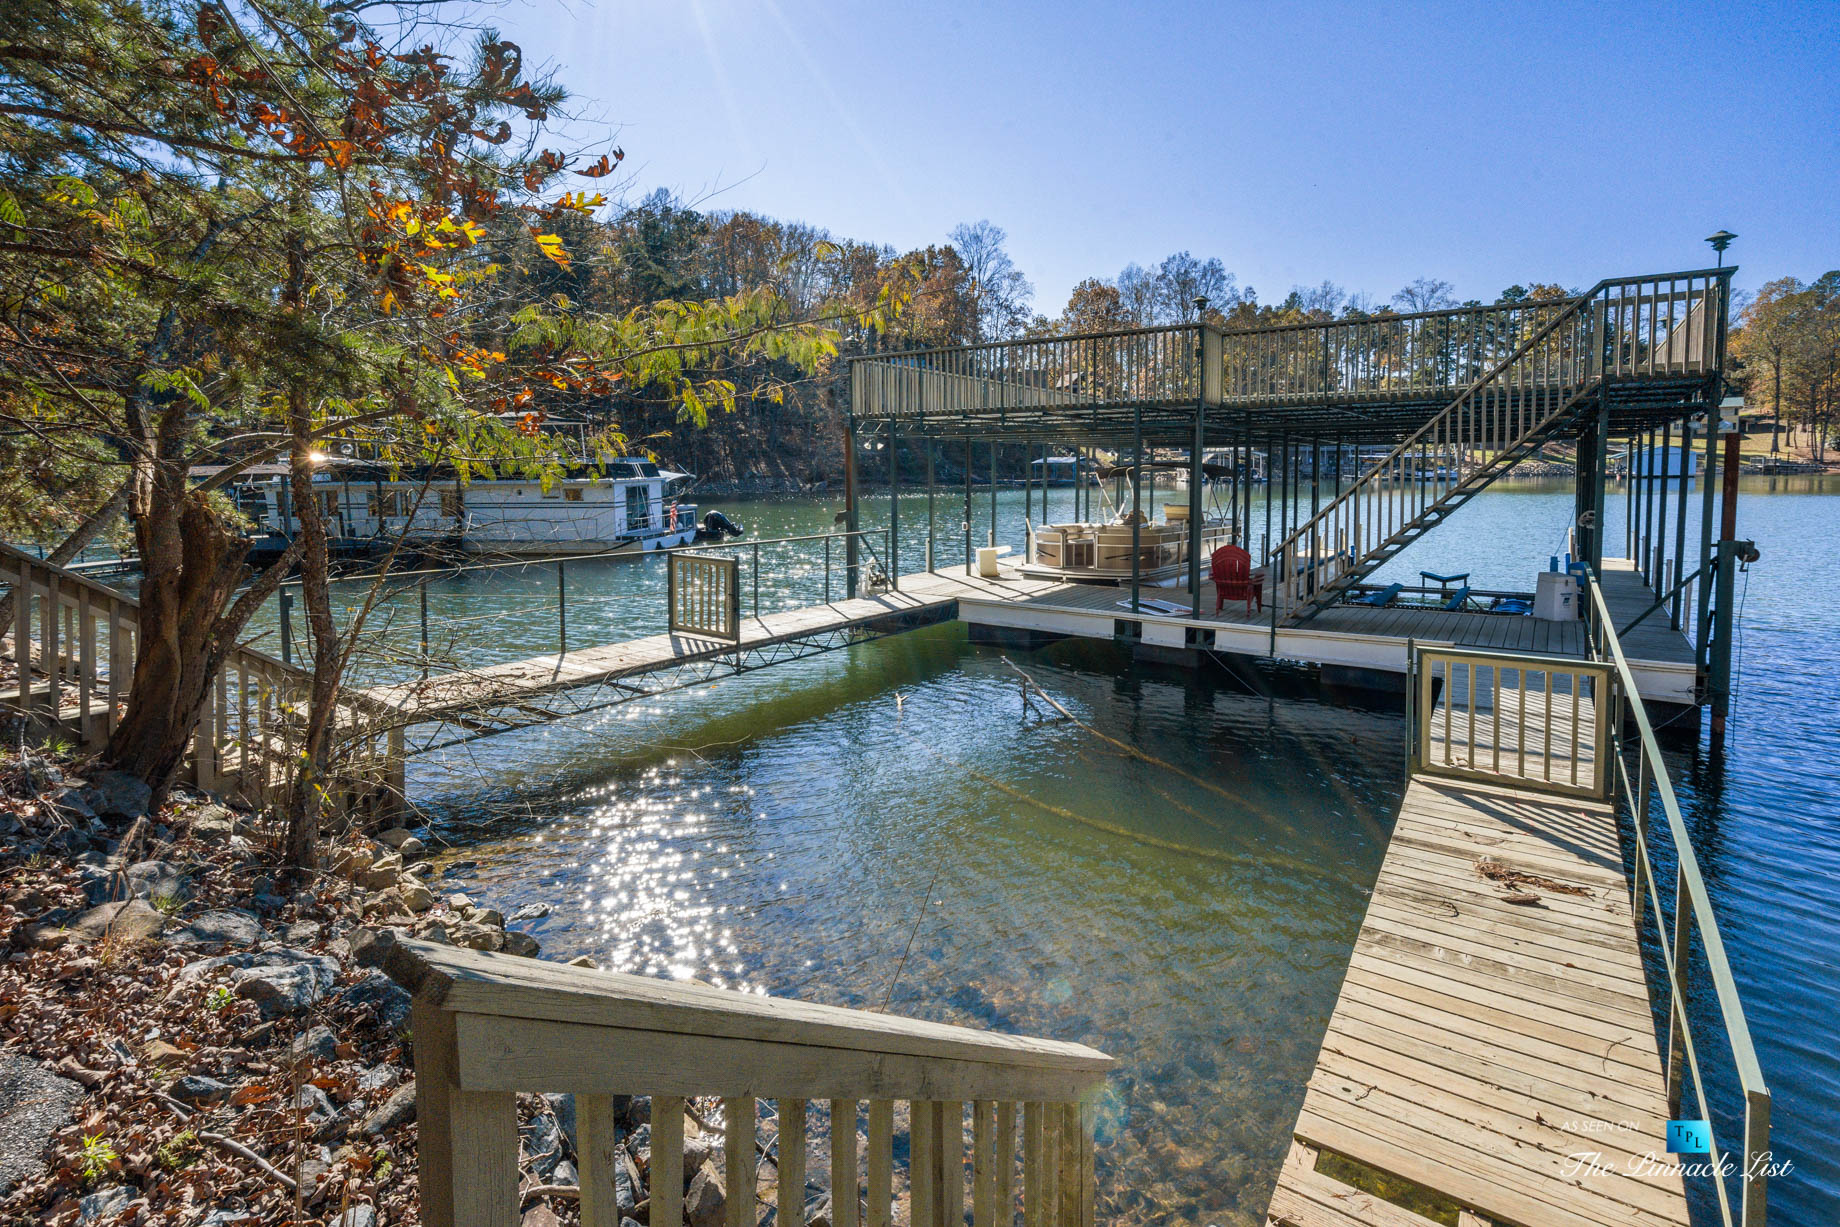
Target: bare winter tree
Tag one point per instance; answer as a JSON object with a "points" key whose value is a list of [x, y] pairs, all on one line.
{"points": [[1000, 294], [1426, 294]]}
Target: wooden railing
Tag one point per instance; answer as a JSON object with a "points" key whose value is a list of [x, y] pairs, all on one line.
{"points": [[1625, 329], [703, 595], [73, 642], [1641, 780], [488, 1027], [1539, 722]]}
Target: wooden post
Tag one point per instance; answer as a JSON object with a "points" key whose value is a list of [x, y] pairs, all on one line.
{"points": [[467, 1148], [881, 1163], [790, 1198], [667, 1174], [1004, 1161], [923, 1200], [983, 1169], [738, 1159], [598, 1148], [845, 1193]]}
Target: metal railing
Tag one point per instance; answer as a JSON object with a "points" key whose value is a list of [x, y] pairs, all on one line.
{"points": [[1178, 364], [1691, 913], [488, 1027], [1628, 328], [1539, 722]]}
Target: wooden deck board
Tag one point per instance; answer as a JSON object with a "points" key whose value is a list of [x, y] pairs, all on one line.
{"points": [[496, 685], [1477, 1045]]}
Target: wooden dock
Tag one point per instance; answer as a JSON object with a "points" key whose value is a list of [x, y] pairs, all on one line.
{"points": [[1493, 1053], [1350, 636], [922, 598], [1347, 635]]}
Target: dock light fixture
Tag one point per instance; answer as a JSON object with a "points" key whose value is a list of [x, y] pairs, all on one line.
{"points": [[1720, 242]]}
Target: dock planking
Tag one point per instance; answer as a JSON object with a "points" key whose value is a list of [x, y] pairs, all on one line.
{"points": [[920, 595], [937, 595], [1480, 1046]]}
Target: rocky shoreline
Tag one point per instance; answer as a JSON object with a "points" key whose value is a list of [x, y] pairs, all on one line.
{"points": [[187, 1037]]}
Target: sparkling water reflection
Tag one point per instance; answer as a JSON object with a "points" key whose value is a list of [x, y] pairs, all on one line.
{"points": [[887, 826]]}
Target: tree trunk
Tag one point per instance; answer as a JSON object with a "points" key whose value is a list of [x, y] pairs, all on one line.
{"points": [[193, 563]]}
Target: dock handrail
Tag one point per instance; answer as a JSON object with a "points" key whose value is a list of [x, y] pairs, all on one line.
{"points": [[488, 1027], [1692, 911], [74, 648]]}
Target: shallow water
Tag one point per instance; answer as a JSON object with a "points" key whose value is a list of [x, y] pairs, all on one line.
{"points": [[889, 825]]}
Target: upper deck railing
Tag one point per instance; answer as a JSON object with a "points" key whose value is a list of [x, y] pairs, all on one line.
{"points": [[1636, 328]]}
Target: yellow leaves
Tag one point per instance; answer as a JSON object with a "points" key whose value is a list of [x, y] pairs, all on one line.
{"points": [[580, 202], [551, 246]]}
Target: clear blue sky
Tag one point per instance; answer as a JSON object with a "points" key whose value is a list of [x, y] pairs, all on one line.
{"points": [[1368, 143]]}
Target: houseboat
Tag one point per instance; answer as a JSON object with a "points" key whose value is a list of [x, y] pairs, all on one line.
{"points": [[619, 505]]}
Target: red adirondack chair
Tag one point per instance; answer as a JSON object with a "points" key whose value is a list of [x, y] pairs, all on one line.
{"points": [[1232, 569]]}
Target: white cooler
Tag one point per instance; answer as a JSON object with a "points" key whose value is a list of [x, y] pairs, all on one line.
{"points": [[1555, 596]]}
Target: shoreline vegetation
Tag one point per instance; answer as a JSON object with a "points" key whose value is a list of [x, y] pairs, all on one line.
{"points": [[199, 1047]]}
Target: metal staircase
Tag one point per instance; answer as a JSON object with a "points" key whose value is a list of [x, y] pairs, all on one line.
{"points": [[1635, 334]]}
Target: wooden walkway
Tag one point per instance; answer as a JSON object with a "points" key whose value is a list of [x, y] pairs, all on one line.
{"points": [[1343, 634], [921, 598], [1486, 1044]]}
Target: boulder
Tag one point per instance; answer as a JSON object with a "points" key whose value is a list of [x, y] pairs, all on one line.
{"points": [[395, 837], [529, 911], [214, 822], [379, 1077], [127, 920], [72, 801], [396, 1110], [156, 880], [318, 1044], [542, 1140], [415, 896], [703, 1203], [104, 1204], [382, 873], [34, 1105], [521, 944], [222, 928], [313, 1101], [475, 936], [386, 999], [287, 984], [198, 1090], [585, 960], [488, 916], [115, 794]]}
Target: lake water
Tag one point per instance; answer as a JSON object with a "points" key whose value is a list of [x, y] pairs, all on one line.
{"points": [[889, 826]]}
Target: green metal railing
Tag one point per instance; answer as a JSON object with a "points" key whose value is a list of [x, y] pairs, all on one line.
{"points": [[1692, 911]]}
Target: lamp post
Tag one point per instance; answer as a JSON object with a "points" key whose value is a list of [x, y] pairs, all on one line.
{"points": [[1720, 242]]}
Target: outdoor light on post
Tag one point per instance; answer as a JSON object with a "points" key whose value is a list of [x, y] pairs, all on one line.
{"points": [[1720, 242]]}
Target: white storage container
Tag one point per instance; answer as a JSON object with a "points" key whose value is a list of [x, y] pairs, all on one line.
{"points": [[1555, 597]]}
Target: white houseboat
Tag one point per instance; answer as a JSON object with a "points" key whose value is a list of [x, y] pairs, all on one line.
{"points": [[624, 504]]}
